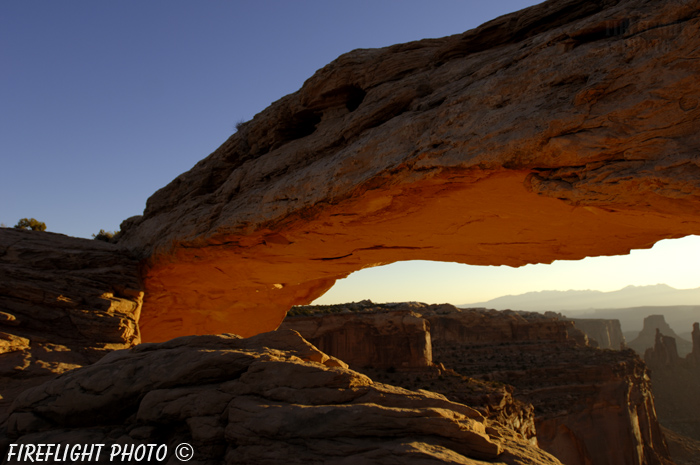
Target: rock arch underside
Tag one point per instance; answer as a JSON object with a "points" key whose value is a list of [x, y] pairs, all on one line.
{"points": [[566, 130]]}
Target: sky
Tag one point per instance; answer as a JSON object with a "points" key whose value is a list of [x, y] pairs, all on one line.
{"points": [[104, 102]]}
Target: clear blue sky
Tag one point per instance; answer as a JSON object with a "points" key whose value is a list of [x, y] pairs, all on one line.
{"points": [[104, 102]]}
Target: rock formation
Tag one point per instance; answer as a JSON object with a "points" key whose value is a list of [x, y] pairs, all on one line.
{"points": [[694, 355], [591, 406], [607, 334], [664, 353], [272, 398], [676, 384], [565, 130], [64, 303], [647, 338]]}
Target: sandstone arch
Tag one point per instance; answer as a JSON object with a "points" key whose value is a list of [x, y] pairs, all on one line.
{"points": [[566, 130]]}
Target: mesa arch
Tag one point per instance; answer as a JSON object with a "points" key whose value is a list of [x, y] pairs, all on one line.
{"points": [[568, 129]]}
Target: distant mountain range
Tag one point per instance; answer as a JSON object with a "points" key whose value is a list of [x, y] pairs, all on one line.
{"points": [[630, 305], [630, 296]]}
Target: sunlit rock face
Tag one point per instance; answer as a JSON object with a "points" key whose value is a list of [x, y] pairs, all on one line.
{"points": [[562, 131]]}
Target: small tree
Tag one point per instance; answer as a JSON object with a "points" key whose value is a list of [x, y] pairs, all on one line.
{"points": [[31, 223], [103, 235]]}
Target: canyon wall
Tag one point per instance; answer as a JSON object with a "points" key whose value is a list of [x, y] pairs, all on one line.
{"points": [[591, 406], [64, 303], [607, 334], [564, 130], [380, 340]]}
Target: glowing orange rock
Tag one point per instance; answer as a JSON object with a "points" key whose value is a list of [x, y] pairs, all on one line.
{"points": [[566, 130]]}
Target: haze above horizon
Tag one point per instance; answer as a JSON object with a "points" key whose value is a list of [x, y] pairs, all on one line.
{"points": [[674, 262]]}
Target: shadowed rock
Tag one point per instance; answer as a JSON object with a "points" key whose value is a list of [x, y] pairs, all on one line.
{"points": [[270, 399], [64, 303]]}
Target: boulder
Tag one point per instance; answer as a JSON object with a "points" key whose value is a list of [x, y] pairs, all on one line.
{"points": [[565, 130]]}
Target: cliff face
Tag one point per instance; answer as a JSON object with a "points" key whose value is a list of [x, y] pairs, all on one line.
{"points": [[64, 303], [270, 399], [562, 131], [601, 413], [607, 334], [493, 327], [591, 406], [383, 340]]}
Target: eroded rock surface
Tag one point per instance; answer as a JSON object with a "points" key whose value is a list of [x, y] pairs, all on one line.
{"points": [[64, 303], [269, 399], [562, 131], [583, 405]]}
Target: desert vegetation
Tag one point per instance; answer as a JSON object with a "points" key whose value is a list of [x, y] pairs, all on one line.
{"points": [[31, 223]]}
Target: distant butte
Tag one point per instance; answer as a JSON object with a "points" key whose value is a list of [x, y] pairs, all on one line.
{"points": [[565, 130]]}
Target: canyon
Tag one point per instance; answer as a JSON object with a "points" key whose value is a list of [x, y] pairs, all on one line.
{"points": [[565, 130], [579, 403]]}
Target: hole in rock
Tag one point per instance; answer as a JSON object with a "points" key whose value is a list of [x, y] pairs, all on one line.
{"points": [[664, 275], [300, 125]]}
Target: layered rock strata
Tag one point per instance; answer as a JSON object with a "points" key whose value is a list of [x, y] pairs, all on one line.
{"points": [[269, 399], [64, 303], [590, 405], [565, 130], [377, 340]]}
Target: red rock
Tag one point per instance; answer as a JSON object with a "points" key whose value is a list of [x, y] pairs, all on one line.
{"points": [[565, 130], [393, 340]]}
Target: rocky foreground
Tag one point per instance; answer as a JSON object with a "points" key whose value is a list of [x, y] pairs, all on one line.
{"points": [[269, 399]]}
